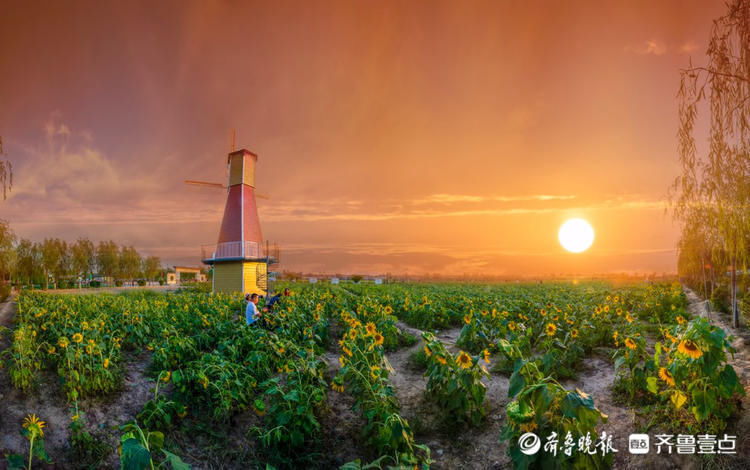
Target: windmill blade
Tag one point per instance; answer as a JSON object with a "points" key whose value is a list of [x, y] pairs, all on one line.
{"points": [[206, 184]]}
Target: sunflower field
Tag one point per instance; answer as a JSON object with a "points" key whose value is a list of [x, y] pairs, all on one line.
{"points": [[223, 393]]}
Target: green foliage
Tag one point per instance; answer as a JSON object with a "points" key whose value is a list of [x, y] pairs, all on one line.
{"points": [[540, 404], [455, 382], [139, 447]]}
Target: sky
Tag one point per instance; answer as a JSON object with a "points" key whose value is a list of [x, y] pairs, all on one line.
{"points": [[392, 137]]}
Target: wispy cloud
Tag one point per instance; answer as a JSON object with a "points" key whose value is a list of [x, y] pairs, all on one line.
{"points": [[650, 47]]}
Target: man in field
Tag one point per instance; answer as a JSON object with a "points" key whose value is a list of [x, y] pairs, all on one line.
{"points": [[252, 314]]}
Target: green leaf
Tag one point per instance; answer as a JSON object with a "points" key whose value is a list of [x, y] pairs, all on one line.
{"points": [[134, 456], [15, 462], [652, 385], [155, 440], [517, 382], [175, 461]]}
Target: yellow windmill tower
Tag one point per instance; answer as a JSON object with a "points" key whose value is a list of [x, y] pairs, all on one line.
{"points": [[240, 259]]}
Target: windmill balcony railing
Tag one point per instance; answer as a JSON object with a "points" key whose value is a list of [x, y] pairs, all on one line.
{"points": [[240, 251]]}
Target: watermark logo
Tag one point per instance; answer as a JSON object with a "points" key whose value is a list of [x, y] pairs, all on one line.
{"points": [[638, 443], [529, 443]]}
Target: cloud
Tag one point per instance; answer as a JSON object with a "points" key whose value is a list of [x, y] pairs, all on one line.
{"points": [[688, 47], [650, 47]]}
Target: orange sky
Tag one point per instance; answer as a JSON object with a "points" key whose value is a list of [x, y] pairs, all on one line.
{"points": [[417, 136]]}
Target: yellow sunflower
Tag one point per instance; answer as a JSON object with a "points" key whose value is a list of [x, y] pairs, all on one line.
{"points": [[378, 339], [388, 310], [63, 342], [574, 333], [370, 328], [464, 360], [441, 360], [106, 363], [78, 337], [666, 376], [34, 425], [486, 356], [512, 326], [629, 343], [374, 372], [680, 320], [427, 351], [689, 348], [467, 319], [551, 329]]}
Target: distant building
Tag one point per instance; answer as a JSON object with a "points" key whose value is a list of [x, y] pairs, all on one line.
{"points": [[185, 273]]}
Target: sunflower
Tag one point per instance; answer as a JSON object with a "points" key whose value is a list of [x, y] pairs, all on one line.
{"points": [[464, 360], [629, 343], [378, 339], [34, 425], [614, 336], [370, 328], [166, 377], [467, 319], [528, 427], [543, 312], [679, 319], [666, 376], [63, 342], [106, 363], [551, 329], [512, 326], [441, 360], [347, 351], [51, 350], [689, 348], [374, 372], [574, 333], [337, 387], [619, 311], [78, 337], [85, 325], [388, 310], [427, 351], [352, 333], [486, 356]]}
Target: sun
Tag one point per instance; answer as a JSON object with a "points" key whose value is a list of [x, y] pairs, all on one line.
{"points": [[576, 235]]}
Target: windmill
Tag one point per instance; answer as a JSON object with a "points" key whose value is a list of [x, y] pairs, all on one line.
{"points": [[240, 258]]}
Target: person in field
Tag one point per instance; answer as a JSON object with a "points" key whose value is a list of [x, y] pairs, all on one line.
{"points": [[252, 314], [272, 301], [286, 292]]}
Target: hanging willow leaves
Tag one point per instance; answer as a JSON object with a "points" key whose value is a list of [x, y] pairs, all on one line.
{"points": [[714, 186], [6, 172]]}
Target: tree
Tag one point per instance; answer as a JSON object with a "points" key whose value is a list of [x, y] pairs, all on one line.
{"points": [[130, 263], [152, 267], [108, 259], [6, 172], [54, 260], [83, 257], [720, 179], [7, 252], [27, 260]]}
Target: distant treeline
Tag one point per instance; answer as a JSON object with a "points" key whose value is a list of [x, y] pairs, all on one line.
{"points": [[58, 263]]}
